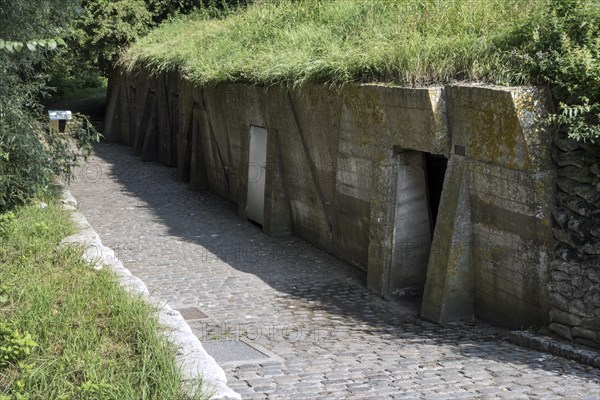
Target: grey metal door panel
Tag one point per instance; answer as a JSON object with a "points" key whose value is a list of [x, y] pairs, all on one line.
{"points": [[257, 161], [412, 227]]}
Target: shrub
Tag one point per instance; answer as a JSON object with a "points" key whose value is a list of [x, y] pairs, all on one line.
{"points": [[33, 155], [30, 154], [103, 28], [563, 52]]}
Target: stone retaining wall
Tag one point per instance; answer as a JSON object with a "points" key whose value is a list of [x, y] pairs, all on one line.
{"points": [[575, 272]]}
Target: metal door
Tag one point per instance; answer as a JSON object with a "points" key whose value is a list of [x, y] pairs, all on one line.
{"points": [[257, 162]]}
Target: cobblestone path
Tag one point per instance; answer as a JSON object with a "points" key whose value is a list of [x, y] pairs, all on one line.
{"points": [[320, 333]]}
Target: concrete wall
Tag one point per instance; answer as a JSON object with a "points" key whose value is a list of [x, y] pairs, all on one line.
{"points": [[323, 146], [493, 238], [332, 178]]}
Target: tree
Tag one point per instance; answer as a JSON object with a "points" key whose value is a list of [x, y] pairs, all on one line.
{"points": [[104, 27], [30, 154]]}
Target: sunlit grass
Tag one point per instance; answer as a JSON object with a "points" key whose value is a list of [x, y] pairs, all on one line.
{"points": [[94, 340], [339, 41]]}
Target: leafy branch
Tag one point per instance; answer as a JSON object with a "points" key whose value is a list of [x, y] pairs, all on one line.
{"points": [[31, 45]]}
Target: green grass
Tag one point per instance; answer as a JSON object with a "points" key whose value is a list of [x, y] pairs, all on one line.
{"points": [[93, 339], [555, 43], [339, 41]]}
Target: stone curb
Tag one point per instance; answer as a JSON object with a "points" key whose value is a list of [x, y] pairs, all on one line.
{"points": [[194, 361], [555, 347]]}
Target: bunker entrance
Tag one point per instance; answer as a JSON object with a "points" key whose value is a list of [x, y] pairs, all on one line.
{"points": [[435, 168], [419, 183]]}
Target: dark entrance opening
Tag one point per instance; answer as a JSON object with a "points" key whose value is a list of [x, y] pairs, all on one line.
{"points": [[435, 167], [419, 183]]}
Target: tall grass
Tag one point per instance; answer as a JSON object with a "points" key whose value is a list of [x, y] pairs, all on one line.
{"points": [[87, 338], [339, 41]]}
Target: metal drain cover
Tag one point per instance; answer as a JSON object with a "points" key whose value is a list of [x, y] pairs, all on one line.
{"points": [[192, 313], [228, 351]]}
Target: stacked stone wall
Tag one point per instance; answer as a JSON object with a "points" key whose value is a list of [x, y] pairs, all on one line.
{"points": [[575, 271]]}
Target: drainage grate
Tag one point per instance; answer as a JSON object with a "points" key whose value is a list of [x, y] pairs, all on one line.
{"points": [[227, 351], [192, 313]]}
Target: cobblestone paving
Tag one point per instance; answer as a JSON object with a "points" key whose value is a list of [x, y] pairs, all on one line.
{"points": [[326, 336]]}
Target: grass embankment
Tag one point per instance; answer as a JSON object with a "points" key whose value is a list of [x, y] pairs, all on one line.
{"points": [[338, 41], [68, 331], [409, 42]]}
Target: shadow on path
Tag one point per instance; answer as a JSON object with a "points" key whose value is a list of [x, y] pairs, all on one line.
{"points": [[301, 272]]}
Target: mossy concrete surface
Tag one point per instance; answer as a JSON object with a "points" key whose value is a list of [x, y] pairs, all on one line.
{"points": [[332, 175], [511, 186]]}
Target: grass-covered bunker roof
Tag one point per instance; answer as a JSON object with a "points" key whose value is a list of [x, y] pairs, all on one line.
{"points": [[341, 41], [407, 42]]}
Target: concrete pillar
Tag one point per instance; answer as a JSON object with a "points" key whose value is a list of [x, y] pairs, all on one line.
{"points": [[381, 231], [448, 294], [412, 227]]}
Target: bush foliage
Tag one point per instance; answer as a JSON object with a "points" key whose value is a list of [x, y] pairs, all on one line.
{"points": [[103, 28], [564, 52], [71, 43], [31, 155]]}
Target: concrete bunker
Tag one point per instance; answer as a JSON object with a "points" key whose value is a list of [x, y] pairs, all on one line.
{"points": [[445, 191]]}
